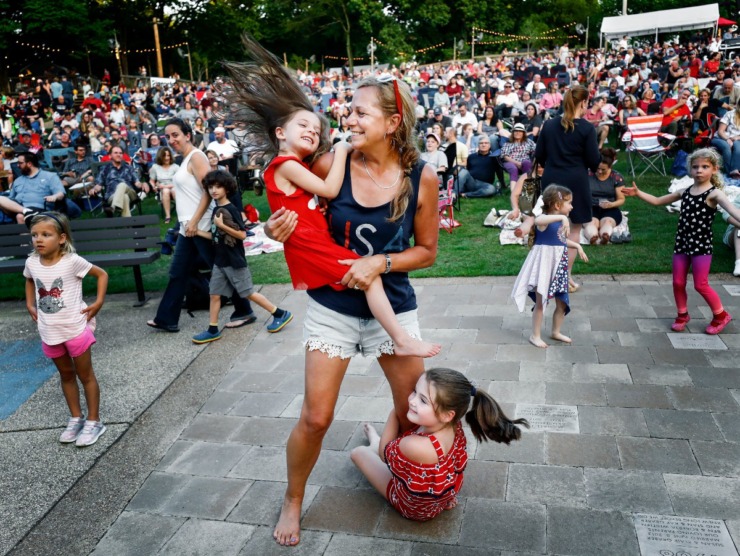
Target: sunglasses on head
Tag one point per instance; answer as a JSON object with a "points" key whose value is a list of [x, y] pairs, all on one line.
{"points": [[399, 102]]}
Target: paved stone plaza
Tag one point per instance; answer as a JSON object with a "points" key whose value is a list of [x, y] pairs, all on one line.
{"points": [[630, 423]]}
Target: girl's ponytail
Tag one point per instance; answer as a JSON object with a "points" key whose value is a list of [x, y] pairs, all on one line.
{"points": [[489, 422], [486, 418]]}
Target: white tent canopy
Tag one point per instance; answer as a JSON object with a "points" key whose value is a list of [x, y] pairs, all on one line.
{"points": [[664, 21]]}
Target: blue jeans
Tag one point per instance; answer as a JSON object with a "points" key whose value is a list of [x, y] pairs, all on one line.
{"points": [[189, 252], [730, 155], [70, 208], [471, 187]]}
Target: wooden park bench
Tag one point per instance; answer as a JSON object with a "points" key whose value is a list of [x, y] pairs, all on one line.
{"points": [[105, 242]]}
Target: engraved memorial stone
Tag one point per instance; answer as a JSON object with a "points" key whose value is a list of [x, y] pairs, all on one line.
{"points": [[733, 290], [695, 341], [553, 418], [666, 535]]}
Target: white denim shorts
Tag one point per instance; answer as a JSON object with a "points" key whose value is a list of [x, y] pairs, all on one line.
{"points": [[344, 336]]}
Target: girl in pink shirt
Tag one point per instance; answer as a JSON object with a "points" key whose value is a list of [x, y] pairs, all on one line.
{"points": [[54, 274]]}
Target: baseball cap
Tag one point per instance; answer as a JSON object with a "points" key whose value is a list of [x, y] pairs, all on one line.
{"points": [[435, 136], [438, 111], [24, 132], [219, 129]]}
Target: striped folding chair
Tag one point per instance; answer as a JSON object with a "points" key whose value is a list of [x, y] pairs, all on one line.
{"points": [[643, 145]]}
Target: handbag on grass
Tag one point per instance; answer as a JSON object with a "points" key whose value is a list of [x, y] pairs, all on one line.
{"points": [[531, 189]]}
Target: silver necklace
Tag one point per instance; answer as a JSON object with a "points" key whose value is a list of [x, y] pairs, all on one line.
{"points": [[391, 186]]}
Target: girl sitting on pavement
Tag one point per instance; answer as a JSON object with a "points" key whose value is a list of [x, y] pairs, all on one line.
{"points": [[693, 245], [544, 274], [421, 472], [66, 323]]}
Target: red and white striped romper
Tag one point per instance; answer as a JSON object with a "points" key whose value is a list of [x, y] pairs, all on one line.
{"points": [[420, 491]]}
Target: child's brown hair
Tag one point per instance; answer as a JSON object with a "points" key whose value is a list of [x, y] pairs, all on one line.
{"points": [[554, 195], [486, 418], [220, 178]]}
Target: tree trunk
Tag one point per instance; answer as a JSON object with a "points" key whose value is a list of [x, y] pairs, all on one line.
{"points": [[346, 27]]}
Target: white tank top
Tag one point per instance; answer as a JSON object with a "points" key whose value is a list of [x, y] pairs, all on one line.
{"points": [[188, 193]]}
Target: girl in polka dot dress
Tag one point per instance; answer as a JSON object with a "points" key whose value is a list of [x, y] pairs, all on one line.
{"points": [[420, 472], [544, 274], [694, 235]]}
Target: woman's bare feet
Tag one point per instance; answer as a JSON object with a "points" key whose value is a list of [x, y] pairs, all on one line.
{"points": [[593, 239], [518, 232], [411, 347], [605, 237], [451, 504], [537, 342], [288, 529], [561, 338]]}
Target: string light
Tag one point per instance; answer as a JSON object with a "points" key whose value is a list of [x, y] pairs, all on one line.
{"points": [[545, 34], [501, 41], [42, 47], [327, 57], [146, 50], [428, 48]]}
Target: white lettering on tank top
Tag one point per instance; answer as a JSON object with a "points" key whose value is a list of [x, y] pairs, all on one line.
{"points": [[358, 233]]}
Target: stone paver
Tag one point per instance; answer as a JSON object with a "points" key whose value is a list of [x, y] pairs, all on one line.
{"points": [[587, 532], [657, 454], [627, 491], [659, 433], [711, 497]]}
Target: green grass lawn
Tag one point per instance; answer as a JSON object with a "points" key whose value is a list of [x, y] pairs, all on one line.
{"points": [[471, 250]]}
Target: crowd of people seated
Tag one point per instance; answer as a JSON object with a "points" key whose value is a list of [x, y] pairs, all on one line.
{"points": [[477, 120], [89, 147], [691, 84]]}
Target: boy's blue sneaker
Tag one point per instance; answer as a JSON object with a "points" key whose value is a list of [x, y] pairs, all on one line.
{"points": [[205, 337], [278, 324]]}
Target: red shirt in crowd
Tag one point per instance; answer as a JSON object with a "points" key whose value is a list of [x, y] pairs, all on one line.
{"points": [[674, 114]]}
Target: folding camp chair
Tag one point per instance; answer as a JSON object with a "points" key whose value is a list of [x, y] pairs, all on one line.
{"points": [[446, 206], [643, 144], [54, 159]]}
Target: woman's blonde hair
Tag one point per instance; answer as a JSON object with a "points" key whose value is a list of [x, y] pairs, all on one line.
{"points": [[714, 159], [571, 101], [402, 139], [61, 225]]}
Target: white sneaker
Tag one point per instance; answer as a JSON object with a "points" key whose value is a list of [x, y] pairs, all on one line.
{"points": [[73, 430], [736, 272], [90, 433]]}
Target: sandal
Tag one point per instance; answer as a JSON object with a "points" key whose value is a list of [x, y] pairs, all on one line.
{"points": [[168, 328], [573, 288], [167, 220]]}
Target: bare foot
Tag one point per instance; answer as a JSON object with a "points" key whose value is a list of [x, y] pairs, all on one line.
{"points": [[537, 342], [451, 504], [371, 433], [593, 239], [416, 348], [561, 337], [288, 529], [518, 232], [605, 238]]}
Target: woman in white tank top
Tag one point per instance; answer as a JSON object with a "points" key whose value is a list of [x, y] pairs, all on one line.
{"points": [[194, 213]]}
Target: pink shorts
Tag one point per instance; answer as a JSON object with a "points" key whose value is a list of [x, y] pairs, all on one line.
{"points": [[74, 347]]}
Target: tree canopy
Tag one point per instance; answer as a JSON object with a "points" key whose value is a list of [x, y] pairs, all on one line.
{"points": [[77, 34]]}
